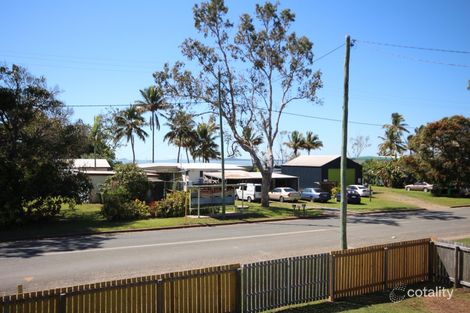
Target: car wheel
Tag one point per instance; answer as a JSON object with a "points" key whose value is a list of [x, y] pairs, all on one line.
{"points": [[408, 188], [425, 189], [281, 199], [248, 199]]}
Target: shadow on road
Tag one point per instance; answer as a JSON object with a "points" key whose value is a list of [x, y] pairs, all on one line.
{"points": [[394, 218], [29, 249]]}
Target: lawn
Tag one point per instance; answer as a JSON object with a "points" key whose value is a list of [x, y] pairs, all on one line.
{"points": [[380, 303], [465, 241], [86, 218], [425, 196]]}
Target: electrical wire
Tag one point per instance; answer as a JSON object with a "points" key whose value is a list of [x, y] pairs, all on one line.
{"points": [[411, 47]]}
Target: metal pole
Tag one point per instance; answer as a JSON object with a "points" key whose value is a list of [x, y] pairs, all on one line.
{"points": [[199, 202], [344, 147], [221, 148]]}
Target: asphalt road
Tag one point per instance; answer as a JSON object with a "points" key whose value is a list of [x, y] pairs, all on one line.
{"points": [[60, 262]]}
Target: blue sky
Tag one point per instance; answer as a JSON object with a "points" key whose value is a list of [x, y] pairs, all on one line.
{"points": [[103, 52]]}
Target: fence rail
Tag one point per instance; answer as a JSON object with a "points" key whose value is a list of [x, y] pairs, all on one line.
{"points": [[451, 260], [259, 286], [272, 284], [371, 269], [205, 290]]}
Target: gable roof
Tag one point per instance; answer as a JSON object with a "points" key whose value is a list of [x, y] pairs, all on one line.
{"points": [[311, 160]]}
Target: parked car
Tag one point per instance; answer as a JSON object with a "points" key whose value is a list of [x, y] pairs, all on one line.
{"points": [[284, 194], [249, 192], [362, 190], [315, 194], [352, 195], [420, 186]]}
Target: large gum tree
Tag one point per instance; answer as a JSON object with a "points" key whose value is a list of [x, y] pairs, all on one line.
{"points": [[263, 65]]}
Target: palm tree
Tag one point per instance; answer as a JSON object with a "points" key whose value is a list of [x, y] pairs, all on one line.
{"points": [[252, 138], [393, 144], [296, 142], [182, 133], [312, 142], [154, 103], [206, 148], [129, 122]]}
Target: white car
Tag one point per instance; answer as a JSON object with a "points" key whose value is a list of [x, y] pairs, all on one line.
{"points": [[362, 190], [282, 194]]}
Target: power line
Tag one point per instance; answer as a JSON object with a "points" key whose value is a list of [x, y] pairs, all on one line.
{"points": [[401, 56], [411, 47], [276, 111], [328, 53]]}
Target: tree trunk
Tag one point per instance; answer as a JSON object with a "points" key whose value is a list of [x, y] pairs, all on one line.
{"points": [[265, 188], [153, 138], [133, 152]]}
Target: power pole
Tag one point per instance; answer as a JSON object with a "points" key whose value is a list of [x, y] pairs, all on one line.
{"points": [[344, 147], [221, 148]]}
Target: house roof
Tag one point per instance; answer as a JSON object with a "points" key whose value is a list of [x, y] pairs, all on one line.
{"points": [[159, 167], [239, 174], [90, 163], [311, 160]]}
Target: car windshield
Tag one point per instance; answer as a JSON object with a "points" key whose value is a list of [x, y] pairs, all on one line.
{"points": [[288, 189]]}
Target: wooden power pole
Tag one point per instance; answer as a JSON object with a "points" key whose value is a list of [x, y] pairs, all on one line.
{"points": [[344, 148]]}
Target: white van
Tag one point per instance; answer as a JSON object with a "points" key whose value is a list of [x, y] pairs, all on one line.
{"points": [[249, 192]]}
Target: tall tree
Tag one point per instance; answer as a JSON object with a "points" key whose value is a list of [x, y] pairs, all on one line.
{"points": [[36, 139], [153, 102], [101, 136], [312, 142], [359, 144], [182, 133], [129, 123], [442, 150], [264, 67], [206, 147], [296, 142], [393, 144]]}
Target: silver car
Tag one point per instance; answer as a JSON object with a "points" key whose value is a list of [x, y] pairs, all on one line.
{"points": [[282, 194], [420, 186], [363, 191]]}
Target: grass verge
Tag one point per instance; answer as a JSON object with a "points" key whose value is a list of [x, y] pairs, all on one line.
{"points": [[425, 196], [86, 218]]}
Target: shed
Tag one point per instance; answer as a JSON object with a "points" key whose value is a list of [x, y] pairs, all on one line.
{"points": [[321, 168]]}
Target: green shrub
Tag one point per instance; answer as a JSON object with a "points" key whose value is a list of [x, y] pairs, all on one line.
{"points": [[335, 190], [116, 206], [132, 180], [174, 205], [43, 207]]}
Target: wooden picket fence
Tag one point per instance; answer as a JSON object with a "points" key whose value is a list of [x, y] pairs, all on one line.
{"points": [[450, 261], [276, 283], [210, 290], [370, 269], [258, 286]]}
